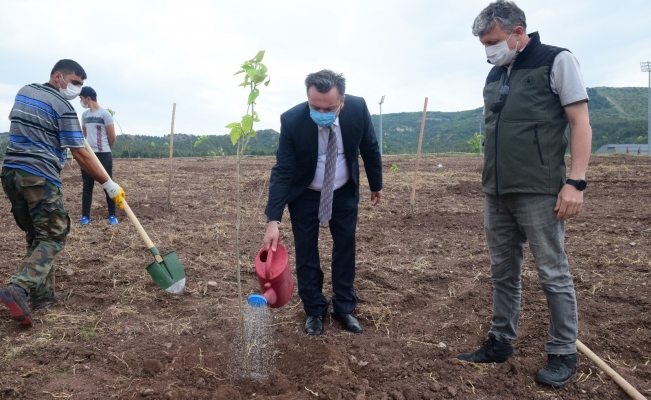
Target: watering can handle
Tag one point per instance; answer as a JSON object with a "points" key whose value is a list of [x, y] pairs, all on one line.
{"points": [[268, 263]]}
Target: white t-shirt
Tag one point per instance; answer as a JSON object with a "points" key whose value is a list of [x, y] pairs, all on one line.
{"points": [[341, 173], [96, 123], [565, 78]]}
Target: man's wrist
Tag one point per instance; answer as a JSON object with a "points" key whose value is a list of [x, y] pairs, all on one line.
{"points": [[579, 184]]}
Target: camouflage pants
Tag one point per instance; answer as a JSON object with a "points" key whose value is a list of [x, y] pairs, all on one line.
{"points": [[37, 205]]}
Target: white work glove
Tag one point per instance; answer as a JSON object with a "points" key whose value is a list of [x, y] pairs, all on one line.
{"points": [[115, 192]]}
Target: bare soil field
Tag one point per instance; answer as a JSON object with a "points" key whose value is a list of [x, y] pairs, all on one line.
{"points": [[423, 285]]}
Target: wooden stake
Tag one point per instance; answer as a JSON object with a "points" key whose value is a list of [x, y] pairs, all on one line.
{"points": [[169, 185], [630, 390], [420, 144]]}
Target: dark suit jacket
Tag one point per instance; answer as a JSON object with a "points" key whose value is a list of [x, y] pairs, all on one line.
{"points": [[297, 154]]}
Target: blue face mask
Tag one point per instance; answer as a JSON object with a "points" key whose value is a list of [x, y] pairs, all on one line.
{"points": [[323, 119]]}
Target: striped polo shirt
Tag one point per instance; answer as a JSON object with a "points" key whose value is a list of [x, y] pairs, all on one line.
{"points": [[43, 125]]}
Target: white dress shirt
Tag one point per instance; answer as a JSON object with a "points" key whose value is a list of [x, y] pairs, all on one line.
{"points": [[341, 174]]}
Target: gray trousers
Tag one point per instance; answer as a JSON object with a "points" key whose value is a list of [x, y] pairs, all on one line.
{"points": [[509, 221]]}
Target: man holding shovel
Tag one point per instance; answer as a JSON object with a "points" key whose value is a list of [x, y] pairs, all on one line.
{"points": [[43, 125], [317, 176], [531, 95]]}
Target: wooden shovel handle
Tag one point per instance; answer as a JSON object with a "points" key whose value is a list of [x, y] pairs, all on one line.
{"points": [[630, 390], [130, 213]]}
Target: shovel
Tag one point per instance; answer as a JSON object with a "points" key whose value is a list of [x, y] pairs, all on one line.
{"points": [[628, 388], [166, 270]]}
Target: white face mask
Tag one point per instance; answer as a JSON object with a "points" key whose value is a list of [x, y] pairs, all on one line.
{"points": [[84, 104], [499, 54], [70, 92]]}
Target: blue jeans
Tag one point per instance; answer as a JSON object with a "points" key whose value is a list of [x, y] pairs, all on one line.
{"points": [[509, 221]]}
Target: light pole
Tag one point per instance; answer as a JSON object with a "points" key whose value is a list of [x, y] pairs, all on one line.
{"points": [[646, 67], [380, 137]]}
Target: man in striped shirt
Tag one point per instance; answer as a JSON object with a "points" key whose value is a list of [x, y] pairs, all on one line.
{"points": [[43, 125]]}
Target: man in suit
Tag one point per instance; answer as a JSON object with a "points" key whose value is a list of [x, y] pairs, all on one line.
{"points": [[317, 176]]}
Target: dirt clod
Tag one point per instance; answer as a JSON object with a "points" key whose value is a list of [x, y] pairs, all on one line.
{"points": [[151, 367]]}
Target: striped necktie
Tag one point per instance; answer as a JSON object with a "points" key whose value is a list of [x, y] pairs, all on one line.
{"points": [[325, 204]]}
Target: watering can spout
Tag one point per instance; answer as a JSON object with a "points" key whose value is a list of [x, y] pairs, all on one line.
{"points": [[270, 294], [255, 300]]}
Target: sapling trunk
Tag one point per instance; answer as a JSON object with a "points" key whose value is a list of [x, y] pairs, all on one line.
{"points": [[237, 254], [238, 218]]}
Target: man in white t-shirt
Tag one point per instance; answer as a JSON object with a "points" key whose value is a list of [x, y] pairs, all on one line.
{"points": [[97, 126]]}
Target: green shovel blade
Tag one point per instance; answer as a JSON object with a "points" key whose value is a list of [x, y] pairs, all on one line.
{"points": [[168, 274]]}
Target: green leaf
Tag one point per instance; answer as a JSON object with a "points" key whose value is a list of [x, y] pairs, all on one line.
{"points": [[258, 78], [247, 123], [236, 134], [253, 133], [252, 73], [259, 56], [239, 72], [232, 125], [253, 95], [267, 82], [200, 140]]}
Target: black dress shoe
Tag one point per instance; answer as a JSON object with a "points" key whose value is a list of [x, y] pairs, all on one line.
{"points": [[347, 321], [314, 325]]}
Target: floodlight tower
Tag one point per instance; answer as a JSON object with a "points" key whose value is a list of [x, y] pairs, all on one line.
{"points": [[646, 67], [380, 137]]}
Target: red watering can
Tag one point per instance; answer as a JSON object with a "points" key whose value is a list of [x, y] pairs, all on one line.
{"points": [[274, 277]]}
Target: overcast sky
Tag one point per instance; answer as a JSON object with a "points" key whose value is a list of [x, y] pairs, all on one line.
{"points": [[143, 56]]}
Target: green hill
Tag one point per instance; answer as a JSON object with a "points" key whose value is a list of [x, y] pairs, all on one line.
{"points": [[135, 146], [617, 115]]}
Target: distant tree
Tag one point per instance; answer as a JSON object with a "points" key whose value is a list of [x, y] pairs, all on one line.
{"points": [[475, 143]]}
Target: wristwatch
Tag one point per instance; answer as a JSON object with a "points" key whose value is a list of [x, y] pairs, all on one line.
{"points": [[579, 184]]}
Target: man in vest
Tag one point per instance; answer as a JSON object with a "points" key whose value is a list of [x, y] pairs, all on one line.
{"points": [[531, 95]]}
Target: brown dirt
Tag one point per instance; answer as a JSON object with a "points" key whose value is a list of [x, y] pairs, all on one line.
{"points": [[423, 285]]}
